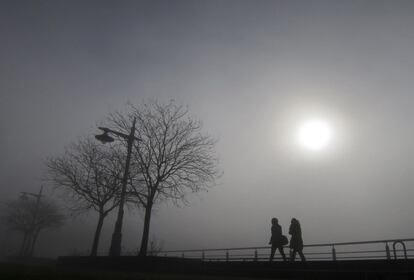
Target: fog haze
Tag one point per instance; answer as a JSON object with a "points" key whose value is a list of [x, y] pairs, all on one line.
{"points": [[252, 71]]}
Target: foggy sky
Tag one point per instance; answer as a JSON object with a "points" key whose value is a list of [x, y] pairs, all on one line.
{"points": [[251, 71]]}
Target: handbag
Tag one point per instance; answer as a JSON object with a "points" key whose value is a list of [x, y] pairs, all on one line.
{"points": [[284, 240]]}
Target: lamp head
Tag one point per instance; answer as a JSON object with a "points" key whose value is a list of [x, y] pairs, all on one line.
{"points": [[104, 137]]}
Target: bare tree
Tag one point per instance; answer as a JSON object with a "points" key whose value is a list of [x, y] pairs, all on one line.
{"points": [[90, 173], [155, 246], [172, 159], [30, 217]]}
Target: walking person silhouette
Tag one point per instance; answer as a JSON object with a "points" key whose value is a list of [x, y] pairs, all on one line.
{"points": [[296, 242], [276, 240]]}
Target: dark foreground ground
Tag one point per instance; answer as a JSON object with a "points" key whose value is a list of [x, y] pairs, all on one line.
{"points": [[158, 268], [13, 271]]}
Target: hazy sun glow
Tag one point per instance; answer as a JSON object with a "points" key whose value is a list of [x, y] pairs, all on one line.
{"points": [[314, 134]]}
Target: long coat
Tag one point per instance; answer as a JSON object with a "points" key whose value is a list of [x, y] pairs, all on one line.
{"points": [[296, 242], [276, 239]]}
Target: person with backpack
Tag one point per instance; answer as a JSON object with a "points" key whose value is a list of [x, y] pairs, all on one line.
{"points": [[277, 240]]}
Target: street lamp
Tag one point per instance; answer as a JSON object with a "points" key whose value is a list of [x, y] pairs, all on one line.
{"points": [[115, 249], [28, 246], [38, 196]]}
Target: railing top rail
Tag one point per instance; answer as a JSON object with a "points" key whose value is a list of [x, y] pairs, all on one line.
{"points": [[306, 245]]}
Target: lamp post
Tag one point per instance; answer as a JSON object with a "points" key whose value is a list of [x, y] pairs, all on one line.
{"points": [[115, 249], [28, 246]]}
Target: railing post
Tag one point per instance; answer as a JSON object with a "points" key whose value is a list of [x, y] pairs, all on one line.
{"points": [[255, 255], [395, 251], [387, 251], [227, 256], [202, 255], [333, 253]]}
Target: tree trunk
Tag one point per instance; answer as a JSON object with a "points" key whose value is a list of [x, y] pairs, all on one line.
{"points": [[145, 234], [97, 235]]}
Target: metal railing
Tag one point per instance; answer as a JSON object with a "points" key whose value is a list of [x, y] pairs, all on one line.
{"points": [[360, 250]]}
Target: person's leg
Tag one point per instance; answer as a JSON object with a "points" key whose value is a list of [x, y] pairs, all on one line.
{"points": [[302, 256], [272, 253], [282, 252], [293, 255]]}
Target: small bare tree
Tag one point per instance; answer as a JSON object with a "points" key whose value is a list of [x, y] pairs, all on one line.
{"points": [[90, 173], [30, 217], [155, 246], [172, 159]]}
